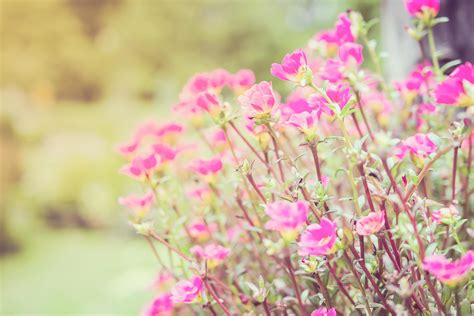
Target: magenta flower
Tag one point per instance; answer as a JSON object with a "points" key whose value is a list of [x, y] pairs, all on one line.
{"points": [[339, 95], [162, 305], [259, 100], [201, 230], [351, 53], [141, 166], [187, 291], [286, 217], [207, 167], [449, 272], [332, 71], [421, 111], [419, 7], [242, 80], [323, 311], [343, 29], [370, 224], [453, 90], [138, 203], [165, 152], [420, 145], [293, 67], [318, 239], [219, 78], [128, 149], [445, 215]]}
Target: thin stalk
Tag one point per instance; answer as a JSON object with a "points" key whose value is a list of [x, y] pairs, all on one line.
{"points": [[359, 283], [453, 183], [434, 56], [341, 286], [466, 181], [265, 307], [215, 297], [295, 286], [169, 246]]}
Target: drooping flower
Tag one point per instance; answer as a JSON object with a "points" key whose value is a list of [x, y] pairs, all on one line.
{"points": [[213, 253], [419, 8], [370, 224], [187, 291], [457, 89], [450, 272], [286, 217], [162, 305], [445, 215], [323, 311], [259, 101], [294, 67], [351, 53], [207, 167], [318, 239], [138, 203], [242, 80]]}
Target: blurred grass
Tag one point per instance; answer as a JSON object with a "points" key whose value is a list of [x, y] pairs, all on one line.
{"points": [[76, 273]]}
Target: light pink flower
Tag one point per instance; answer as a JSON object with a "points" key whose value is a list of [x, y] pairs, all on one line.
{"points": [[332, 71], [304, 121], [444, 214], [323, 311], [219, 78], [128, 149], [200, 230], [318, 239], [208, 102], [211, 252], [418, 7], [292, 67], [200, 194], [351, 53], [162, 305], [141, 166], [370, 224], [198, 83], [339, 95], [421, 111], [162, 281], [259, 99], [187, 291], [242, 80], [452, 90], [449, 272], [166, 153], [136, 202], [206, 167], [420, 145], [286, 216]]}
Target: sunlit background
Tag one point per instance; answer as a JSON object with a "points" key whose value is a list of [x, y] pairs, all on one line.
{"points": [[76, 77]]}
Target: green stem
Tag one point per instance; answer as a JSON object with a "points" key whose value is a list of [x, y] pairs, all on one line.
{"points": [[434, 56]]}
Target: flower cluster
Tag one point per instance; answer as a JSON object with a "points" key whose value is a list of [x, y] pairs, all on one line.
{"points": [[349, 195]]}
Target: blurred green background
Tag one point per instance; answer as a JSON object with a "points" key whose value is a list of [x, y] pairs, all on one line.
{"points": [[76, 77]]}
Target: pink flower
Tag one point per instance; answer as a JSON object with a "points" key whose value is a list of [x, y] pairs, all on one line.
{"points": [[200, 230], [165, 152], [444, 215], [141, 166], [198, 83], [219, 78], [424, 108], [187, 291], [332, 71], [343, 29], [370, 224], [286, 217], [420, 145], [128, 149], [323, 311], [200, 194], [339, 95], [162, 281], [213, 252], [208, 102], [207, 167], [351, 53], [449, 272], [306, 123], [162, 305], [242, 80], [258, 100], [453, 90], [318, 239], [138, 202], [292, 68], [418, 7]]}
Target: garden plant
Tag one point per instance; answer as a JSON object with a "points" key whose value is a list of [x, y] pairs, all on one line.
{"points": [[351, 195]]}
